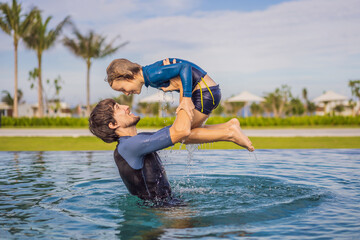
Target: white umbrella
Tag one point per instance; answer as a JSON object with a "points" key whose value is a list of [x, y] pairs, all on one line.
{"points": [[157, 97], [246, 97], [330, 96]]}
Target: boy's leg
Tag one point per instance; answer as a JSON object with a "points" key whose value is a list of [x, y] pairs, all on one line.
{"points": [[198, 119], [232, 133], [223, 125]]}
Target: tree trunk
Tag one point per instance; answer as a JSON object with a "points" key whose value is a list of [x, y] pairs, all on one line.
{"points": [[15, 105], [275, 111], [88, 64], [40, 90], [305, 109], [281, 108]]}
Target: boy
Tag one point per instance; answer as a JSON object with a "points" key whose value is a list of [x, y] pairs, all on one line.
{"points": [[199, 94]]}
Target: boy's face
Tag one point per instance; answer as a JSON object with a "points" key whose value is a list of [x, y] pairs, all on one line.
{"points": [[127, 86]]}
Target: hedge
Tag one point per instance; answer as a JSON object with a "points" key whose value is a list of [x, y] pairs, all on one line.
{"points": [[161, 122], [43, 122], [292, 121]]}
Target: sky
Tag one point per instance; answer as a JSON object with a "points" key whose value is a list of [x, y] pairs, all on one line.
{"points": [[254, 46]]}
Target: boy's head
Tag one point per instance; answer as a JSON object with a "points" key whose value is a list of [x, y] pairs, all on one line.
{"points": [[125, 76], [107, 117]]}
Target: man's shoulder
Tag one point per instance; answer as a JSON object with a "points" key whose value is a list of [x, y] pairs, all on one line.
{"points": [[143, 137], [125, 140]]}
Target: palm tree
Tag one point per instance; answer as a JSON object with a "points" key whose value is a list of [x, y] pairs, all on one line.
{"points": [[355, 89], [8, 99], [296, 107], [16, 24], [256, 109], [89, 47], [41, 39], [278, 100], [305, 97]]}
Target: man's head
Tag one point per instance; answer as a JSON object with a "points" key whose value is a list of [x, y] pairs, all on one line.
{"points": [[108, 119], [125, 76]]}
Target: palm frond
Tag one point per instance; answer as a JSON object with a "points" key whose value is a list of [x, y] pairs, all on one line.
{"points": [[25, 26], [39, 37], [5, 24], [7, 98], [91, 45]]}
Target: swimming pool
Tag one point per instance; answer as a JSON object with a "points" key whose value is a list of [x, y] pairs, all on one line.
{"points": [[277, 194]]}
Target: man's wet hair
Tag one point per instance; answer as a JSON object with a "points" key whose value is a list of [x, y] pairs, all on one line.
{"points": [[121, 69], [99, 120]]}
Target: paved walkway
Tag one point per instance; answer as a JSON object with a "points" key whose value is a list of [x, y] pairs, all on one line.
{"points": [[308, 132]]}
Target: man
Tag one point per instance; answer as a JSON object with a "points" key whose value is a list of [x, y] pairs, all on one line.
{"points": [[135, 155]]}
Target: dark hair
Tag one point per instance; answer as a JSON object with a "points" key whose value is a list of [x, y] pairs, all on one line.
{"points": [[99, 120], [121, 69]]}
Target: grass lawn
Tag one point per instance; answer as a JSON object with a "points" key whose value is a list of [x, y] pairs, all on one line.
{"points": [[92, 143], [156, 128]]}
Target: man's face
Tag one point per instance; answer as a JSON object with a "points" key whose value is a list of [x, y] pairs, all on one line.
{"points": [[124, 118]]}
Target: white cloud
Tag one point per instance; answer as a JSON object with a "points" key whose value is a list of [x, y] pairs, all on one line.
{"points": [[301, 43], [289, 34]]}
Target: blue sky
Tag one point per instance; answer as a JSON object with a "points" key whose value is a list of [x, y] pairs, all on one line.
{"points": [[243, 45]]}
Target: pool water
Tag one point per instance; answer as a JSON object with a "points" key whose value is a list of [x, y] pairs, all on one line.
{"points": [[227, 194]]}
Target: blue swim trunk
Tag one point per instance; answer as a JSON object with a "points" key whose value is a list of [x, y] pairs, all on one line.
{"points": [[209, 103]]}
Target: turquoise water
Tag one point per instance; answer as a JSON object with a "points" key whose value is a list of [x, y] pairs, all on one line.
{"points": [[227, 194]]}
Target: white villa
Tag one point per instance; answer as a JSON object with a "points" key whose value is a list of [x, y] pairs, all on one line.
{"points": [[327, 102], [53, 109]]}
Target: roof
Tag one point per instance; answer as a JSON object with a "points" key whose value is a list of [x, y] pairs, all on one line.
{"points": [[330, 96], [160, 96], [4, 106], [246, 97]]}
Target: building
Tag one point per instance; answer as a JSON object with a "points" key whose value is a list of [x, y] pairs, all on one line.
{"points": [[334, 103], [52, 109]]}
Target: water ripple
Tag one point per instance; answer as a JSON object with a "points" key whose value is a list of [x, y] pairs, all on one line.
{"points": [[276, 194]]}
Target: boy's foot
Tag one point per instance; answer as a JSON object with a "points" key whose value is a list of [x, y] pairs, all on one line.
{"points": [[239, 137]]}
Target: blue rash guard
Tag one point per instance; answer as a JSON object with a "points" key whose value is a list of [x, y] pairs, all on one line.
{"points": [[158, 75], [140, 166], [133, 149]]}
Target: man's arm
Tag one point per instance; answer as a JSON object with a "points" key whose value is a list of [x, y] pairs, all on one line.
{"points": [[132, 149], [181, 127]]}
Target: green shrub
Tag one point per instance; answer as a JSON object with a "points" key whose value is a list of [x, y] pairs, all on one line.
{"points": [[43, 122], [161, 122]]}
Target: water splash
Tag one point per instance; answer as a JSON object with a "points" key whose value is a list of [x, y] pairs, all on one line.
{"points": [[190, 148], [253, 156]]}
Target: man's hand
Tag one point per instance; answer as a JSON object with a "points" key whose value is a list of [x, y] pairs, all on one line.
{"points": [[187, 104], [175, 84], [167, 61]]}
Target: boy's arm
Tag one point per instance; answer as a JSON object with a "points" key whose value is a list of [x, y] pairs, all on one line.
{"points": [[175, 84], [186, 103], [160, 74]]}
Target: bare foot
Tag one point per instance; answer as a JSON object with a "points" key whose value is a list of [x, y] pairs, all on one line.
{"points": [[239, 137]]}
